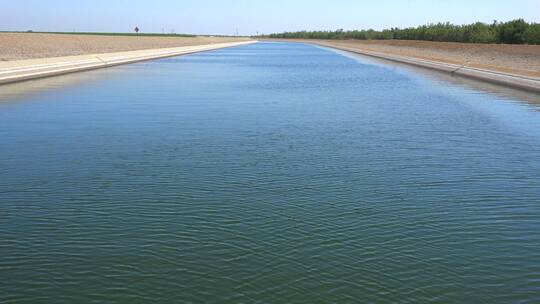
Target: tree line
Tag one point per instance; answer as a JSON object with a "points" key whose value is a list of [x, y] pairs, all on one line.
{"points": [[512, 32]]}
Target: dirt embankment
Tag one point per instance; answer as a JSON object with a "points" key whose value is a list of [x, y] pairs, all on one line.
{"points": [[18, 46], [515, 59]]}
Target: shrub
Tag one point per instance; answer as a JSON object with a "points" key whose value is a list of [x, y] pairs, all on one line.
{"points": [[512, 31], [532, 34], [516, 31]]}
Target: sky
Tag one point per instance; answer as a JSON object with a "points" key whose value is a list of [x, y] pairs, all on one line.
{"points": [[249, 17]]}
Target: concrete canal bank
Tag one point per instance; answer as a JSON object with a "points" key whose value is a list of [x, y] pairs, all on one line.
{"points": [[506, 65], [522, 82], [20, 70]]}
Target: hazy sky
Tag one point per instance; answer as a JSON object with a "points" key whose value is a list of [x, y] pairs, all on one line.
{"points": [[251, 16]]}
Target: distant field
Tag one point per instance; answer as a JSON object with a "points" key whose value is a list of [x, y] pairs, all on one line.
{"points": [[109, 34], [24, 45], [118, 34]]}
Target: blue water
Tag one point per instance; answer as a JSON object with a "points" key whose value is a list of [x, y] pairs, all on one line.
{"points": [[268, 173]]}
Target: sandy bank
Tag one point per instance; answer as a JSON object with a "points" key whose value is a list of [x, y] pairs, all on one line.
{"points": [[19, 46]]}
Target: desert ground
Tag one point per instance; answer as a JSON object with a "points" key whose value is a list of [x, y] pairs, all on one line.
{"points": [[19, 46], [516, 59]]}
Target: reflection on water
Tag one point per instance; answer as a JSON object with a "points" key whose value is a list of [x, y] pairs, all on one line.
{"points": [[270, 173], [21, 90], [446, 79]]}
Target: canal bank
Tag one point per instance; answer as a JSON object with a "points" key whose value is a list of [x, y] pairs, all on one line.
{"points": [[20, 70], [495, 64]]}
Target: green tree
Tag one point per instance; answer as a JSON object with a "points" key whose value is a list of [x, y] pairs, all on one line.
{"points": [[532, 34], [479, 33], [516, 31], [512, 31]]}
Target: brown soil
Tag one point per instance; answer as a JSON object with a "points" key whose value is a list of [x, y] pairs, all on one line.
{"points": [[17, 46], [516, 59]]}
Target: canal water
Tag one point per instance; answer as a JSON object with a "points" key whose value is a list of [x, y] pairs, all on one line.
{"points": [[268, 173]]}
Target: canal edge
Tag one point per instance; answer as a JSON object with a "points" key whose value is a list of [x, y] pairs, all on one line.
{"points": [[22, 70]]}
